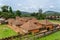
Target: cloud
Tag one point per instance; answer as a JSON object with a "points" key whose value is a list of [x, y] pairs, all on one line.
{"points": [[31, 5], [51, 6], [2, 4], [41, 6], [19, 4]]}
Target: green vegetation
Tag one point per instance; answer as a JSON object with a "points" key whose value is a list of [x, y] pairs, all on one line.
{"points": [[7, 12], [54, 36], [55, 21], [39, 14], [18, 13], [6, 32]]}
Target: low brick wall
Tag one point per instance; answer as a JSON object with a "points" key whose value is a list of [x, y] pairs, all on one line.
{"points": [[30, 37]]}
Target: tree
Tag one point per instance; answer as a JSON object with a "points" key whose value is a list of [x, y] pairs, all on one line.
{"points": [[40, 10], [10, 10], [5, 8], [39, 14], [33, 14], [6, 15], [18, 13]]}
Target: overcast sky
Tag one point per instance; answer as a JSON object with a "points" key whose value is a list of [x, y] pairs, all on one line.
{"points": [[32, 5]]}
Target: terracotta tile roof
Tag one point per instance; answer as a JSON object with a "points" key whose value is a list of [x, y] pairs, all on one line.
{"points": [[25, 19], [45, 22], [30, 26], [17, 22], [11, 20]]}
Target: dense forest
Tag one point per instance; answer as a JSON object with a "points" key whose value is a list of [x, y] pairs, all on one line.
{"points": [[8, 12]]}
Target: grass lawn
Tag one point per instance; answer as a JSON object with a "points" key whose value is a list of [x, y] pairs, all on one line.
{"points": [[54, 36], [6, 31], [55, 21]]}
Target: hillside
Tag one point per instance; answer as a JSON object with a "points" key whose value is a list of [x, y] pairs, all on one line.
{"points": [[48, 13]]}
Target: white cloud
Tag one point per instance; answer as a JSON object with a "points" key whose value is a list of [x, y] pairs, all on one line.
{"points": [[26, 8], [19, 4], [41, 6], [51, 6], [1, 4]]}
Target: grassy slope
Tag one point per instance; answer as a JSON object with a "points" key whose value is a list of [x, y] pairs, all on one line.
{"points": [[54, 36], [55, 21], [6, 32]]}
